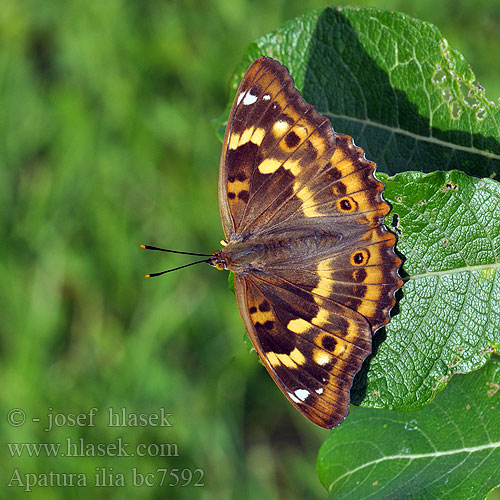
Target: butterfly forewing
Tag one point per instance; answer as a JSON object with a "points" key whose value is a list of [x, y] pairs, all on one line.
{"points": [[274, 142], [315, 269]]}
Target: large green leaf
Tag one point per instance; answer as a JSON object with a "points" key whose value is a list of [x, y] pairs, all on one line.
{"points": [[412, 102], [393, 83], [448, 317], [448, 450]]}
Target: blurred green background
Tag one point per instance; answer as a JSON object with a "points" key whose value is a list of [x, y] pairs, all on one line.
{"points": [[106, 143]]}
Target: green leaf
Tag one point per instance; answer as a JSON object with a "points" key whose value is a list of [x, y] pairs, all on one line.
{"points": [[448, 315], [412, 102], [393, 83], [448, 450]]}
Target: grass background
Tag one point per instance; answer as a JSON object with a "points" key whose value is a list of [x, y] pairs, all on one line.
{"points": [[106, 142]]}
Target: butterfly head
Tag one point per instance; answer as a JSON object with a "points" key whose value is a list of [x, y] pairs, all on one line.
{"points": [[219, 260]]}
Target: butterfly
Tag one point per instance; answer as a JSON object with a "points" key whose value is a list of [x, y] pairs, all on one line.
{"points": [[315, 270]]}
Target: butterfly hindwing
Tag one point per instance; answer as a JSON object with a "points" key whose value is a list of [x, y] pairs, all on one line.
{"points": [[311, 347], [361, 275]]}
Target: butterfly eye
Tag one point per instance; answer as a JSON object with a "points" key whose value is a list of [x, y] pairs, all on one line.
{"points": [[219, 266]]}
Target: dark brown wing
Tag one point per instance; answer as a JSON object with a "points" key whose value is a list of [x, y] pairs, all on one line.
{"points": [[311, 346], [360, 274], [343, 194], [274, 141], [284, 170]]}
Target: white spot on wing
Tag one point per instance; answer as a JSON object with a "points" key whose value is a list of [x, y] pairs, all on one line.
{"points": [[302, 394], [240, 97], [249, 99], [322, 357], [293, 398], [320, 390], [266, 97]]}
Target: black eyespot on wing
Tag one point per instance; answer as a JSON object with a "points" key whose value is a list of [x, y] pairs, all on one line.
{"points": [[244, 195], [328, 342], [292, 139], [358, 258], [345, 205]]}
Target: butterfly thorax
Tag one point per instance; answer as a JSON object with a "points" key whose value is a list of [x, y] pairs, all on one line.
{"points": [[287, 248]]}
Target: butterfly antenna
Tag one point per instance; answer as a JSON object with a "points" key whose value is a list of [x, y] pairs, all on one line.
{"points": [[153, 275], [149, 247]]}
